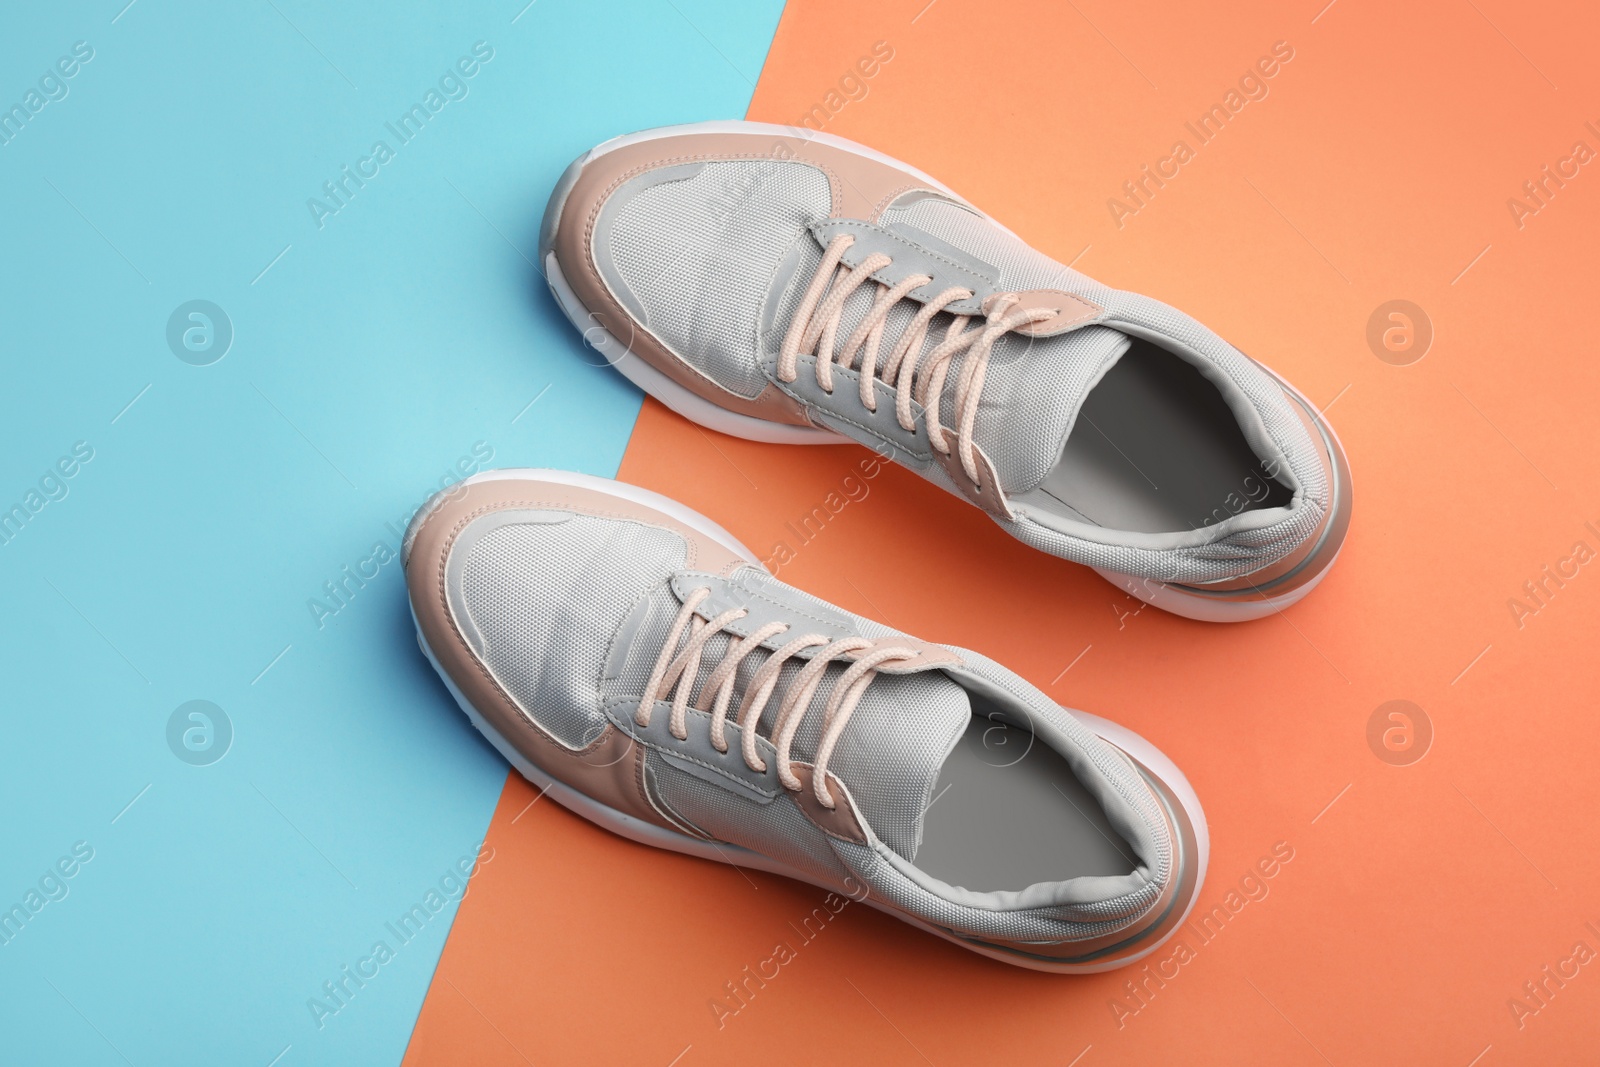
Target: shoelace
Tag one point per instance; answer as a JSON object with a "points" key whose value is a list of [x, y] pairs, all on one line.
{"points": [[677, 673], [816, 325]]}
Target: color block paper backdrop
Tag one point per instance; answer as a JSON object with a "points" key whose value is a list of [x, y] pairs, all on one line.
{"points": [[1411, 751], [373, 326]]}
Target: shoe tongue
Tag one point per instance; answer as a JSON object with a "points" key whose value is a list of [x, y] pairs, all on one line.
{"points": [[1033, 389], [1033, 386], [891, 751]]}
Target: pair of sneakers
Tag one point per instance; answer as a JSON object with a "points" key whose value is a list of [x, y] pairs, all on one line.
{"points": [[639, 664]]}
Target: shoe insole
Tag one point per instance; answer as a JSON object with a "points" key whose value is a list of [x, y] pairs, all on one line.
{"points": [[1155, 449], [1008, 812]]}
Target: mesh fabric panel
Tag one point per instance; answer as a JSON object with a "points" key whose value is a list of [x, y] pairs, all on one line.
{"points": [[777, 830], [546, 599], [699, 253]]}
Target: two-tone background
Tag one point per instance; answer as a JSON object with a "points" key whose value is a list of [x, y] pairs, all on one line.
{"points": [[267, 281]]}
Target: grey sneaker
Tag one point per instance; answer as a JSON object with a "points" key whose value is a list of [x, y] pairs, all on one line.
{"points": [[784, 285], [636, 662]]}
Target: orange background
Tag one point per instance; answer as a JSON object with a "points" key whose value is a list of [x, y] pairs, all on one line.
{"points": [[1420, 898]]}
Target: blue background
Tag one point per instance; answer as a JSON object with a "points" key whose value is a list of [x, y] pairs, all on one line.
{"points": [[369, 357]]}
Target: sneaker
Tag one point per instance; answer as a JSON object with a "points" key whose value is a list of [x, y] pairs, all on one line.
{"points": [[783, 285], [637, 663]]}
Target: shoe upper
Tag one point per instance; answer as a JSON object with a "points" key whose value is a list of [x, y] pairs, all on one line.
{"points": [[708, 244], [553, 609]]}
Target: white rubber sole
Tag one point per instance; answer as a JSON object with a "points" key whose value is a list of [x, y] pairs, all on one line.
{"points": [[645, 833]]}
